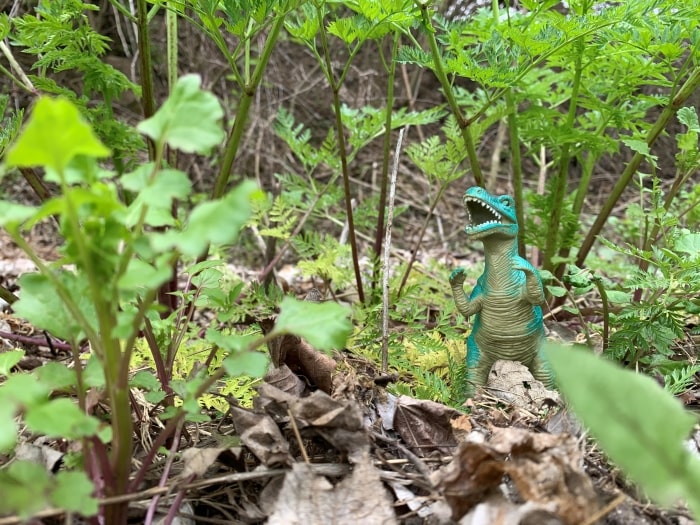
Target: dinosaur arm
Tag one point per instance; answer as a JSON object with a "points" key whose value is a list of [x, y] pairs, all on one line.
{"points": [[534, 292], [467, 307]]}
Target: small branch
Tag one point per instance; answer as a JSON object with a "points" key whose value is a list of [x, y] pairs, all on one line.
{"points": [[385, 262], [24, 79], [36, 341]]}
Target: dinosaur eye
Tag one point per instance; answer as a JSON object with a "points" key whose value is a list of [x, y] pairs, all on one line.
{"points": [[507, 200]]}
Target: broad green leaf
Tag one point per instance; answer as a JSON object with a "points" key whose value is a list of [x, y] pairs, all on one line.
{"points": [[55, 134], [688, 243], [40, 304], [212, 222], [24, 486], [639, 425], [189, 120], [230, 342], [73, 492], [12, 215], [157, 196], [23, 389], [616, 296], [639, 146], [55, 376], [145, 379], [8, 426], [148, 381], [8, 360], [248, 363], [61, 418], [557, 291], [94, 374], [142, 275], [324, 325]]}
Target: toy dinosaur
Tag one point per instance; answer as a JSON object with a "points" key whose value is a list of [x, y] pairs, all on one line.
{"points": [[506, 300]]}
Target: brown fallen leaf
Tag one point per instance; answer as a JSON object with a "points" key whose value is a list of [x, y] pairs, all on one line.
{"points": [[545, 469], [512, 382], [338, 421], [306, 361], [286, 380], [310, 499], [425, 426], [261, 435], [198, 460]]}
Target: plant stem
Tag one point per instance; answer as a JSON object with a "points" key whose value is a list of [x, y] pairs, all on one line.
{"points": [[342, 152], [248, 92], [462, 122], [23, 80], [379, 233], [516, 169], [690, 85], [147, 92], [561, 182], [416, 246]]}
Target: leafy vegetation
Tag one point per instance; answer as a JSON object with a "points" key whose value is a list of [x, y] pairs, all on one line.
{"points": [[639, 425], [143, 251]]}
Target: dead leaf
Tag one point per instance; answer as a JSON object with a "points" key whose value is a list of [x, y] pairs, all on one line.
{"points": [[545, 469], [309, 499], [39, 453], [286, 380], [306, 361], [425, 426], [198, 460], [498, 510], [261, 435], [338, 421], [461, 426], [472, 476], [512, 382]]}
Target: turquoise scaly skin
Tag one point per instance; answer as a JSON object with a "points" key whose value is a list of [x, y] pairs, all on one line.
{"points": [[506, 300]]}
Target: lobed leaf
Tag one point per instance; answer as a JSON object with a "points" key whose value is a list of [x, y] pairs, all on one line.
{"points": [[324, 325], [55, 134], [61, 418], [212, 222], [189, 120]]}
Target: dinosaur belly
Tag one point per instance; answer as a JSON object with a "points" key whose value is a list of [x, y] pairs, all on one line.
{"points": [[509, 330]]}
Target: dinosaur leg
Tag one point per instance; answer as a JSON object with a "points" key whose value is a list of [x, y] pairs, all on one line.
{"points": [[541, 370], [478, 367]]}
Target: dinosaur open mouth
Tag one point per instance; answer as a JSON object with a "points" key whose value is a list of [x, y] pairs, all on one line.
{"points": [[480, 214]]}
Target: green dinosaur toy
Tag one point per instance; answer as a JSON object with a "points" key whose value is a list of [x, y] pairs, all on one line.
{"points": [[506, 300]]}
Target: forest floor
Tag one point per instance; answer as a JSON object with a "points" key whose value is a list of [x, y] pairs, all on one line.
{"points": [[326, 443]]}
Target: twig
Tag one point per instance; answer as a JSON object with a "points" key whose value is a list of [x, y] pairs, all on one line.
{"points": [[37, 341], [298, 436], [605, 510], [410, 456], [23, 78], [164, 476], [385, 262]]}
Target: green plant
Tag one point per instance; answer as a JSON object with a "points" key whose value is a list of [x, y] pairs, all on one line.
{"points": [[569, 84], [640, 427], [103, 290], [59, 35], [659, 295]]}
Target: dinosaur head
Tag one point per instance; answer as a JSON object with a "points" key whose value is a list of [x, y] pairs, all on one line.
{"points": [[489, 215]]}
